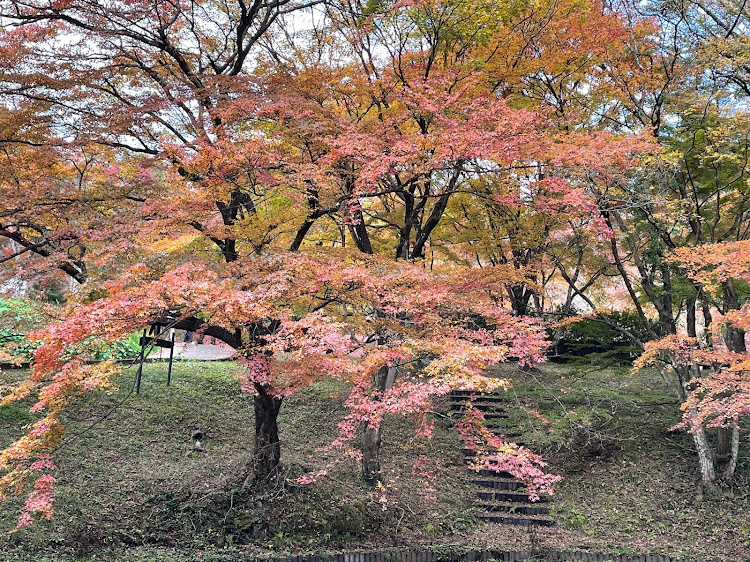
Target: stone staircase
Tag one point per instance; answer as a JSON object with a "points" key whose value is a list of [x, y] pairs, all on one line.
{"points": [[501, 497]]}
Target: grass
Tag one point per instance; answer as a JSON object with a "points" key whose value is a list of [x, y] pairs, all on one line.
{"points": [[630, 485], [134, 485]]}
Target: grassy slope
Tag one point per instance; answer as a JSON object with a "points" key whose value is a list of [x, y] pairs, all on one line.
{"points": [[134, 481], [630, 484]]}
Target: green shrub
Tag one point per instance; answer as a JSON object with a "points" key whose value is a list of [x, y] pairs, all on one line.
{"points": [[18, 318], [593, 341], [121, 350]]}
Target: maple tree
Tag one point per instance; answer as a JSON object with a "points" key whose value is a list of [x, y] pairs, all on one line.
{"points": [[205, 156], [426, 319], [714, 389], [389, 148], [302, 196]]}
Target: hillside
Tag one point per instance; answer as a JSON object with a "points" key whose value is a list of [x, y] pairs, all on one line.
{"points": [[134, 484]]}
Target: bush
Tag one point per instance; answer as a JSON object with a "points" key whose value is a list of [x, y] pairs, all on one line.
{"points": [[593, 341], [18, 318], [121, 350]]}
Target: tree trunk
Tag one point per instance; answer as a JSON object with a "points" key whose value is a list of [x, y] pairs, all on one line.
{"points": [[734, 454], [706, 461], [691, 327], [372, 437], [735, 341], [371, 454], [707, 320], [519, 299], [538, 305], [723, 449], [267, 449]]}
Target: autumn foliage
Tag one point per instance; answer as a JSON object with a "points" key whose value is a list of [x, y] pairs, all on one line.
{"points": [[385, 195], [718, 394], [341, 314]]}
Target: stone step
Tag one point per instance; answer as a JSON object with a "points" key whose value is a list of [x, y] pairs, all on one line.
{"points": [[498, 392], [509, 485], [497, 430], [513, 509], [476, 398], [502, 498], [501, 423], [513, 519], [507, 497], [508, 439], [519, 443], [458, 406], [490, 473], [495, 415], [470, 453]]}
